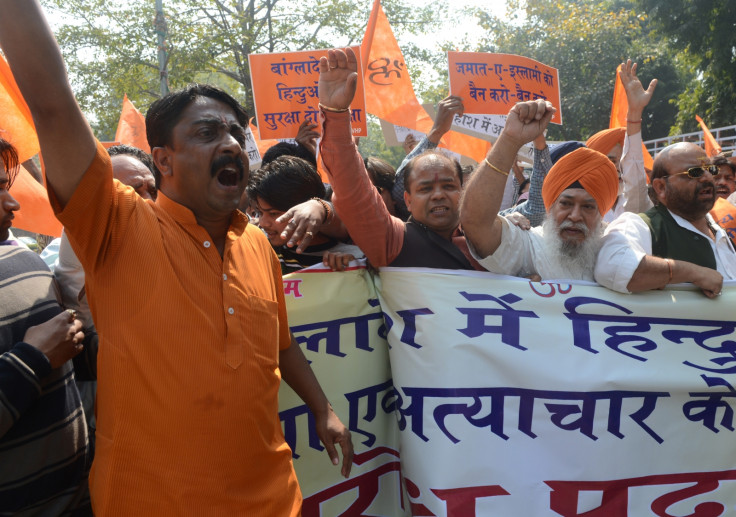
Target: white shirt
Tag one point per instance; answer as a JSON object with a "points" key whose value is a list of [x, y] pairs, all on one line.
{"points": [[627, 240], [634, 197], [69, 274], [522, 253]]}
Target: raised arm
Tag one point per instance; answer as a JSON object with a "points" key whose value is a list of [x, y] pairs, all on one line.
{"points": [[636, 96], [634, 195], [66, 139], [483, 194], [378, 234], [533, 207]]}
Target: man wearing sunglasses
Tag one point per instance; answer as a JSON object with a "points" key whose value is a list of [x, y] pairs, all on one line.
{"points": [[675, 241]]}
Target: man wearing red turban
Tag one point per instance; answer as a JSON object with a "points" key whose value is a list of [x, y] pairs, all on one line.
{"points": [[578, 190]]}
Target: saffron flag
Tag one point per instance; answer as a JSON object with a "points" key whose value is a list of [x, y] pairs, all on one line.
{"points": [[711, 146], [389, 94], [35, 214], [724, 213], [620, 104], [16, 123], [619, 108], [132, 127]]}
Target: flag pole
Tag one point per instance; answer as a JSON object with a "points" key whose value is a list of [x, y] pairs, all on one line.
{"points": [[161, 28]]}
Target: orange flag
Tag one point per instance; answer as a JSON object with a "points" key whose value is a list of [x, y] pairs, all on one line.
{"points": [[16, 123], [35, 214], [619, 108], [711, 146], [724, 213], [620, 105], [389, 93], [132, 127]]}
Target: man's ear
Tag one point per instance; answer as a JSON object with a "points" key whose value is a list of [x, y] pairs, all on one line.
{"points": [[407, 200], [162, 159], [659, 186]]}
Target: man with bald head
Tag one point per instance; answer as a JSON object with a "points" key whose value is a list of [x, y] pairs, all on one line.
{"points": [[577, 191], [433, 183], [676, 240]]}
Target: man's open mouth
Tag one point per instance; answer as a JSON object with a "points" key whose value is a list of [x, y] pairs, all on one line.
{"points": [[228, 177]]}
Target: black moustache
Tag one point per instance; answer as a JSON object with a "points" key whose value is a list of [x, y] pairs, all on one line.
{"points": [[227, 159]]}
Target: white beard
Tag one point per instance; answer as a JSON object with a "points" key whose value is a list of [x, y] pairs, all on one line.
{"points": [[576, 260]]}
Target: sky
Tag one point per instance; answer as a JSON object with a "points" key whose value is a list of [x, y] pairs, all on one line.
{"points": [[470, 29]]}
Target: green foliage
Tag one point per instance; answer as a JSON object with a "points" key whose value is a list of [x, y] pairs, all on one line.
{"points": [[110, 47], [704, 34], [374, 145], [585, 41]]}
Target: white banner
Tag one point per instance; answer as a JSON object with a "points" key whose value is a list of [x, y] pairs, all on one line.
{"points": [[529, 399], [336, 319]]}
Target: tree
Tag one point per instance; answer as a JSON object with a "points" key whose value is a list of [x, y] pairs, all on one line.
{"points": [[703, 32], [110, 48], [374, 145], [586, 40]]}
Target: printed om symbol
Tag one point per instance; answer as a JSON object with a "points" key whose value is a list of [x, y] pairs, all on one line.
{"points": [[382, 68]]}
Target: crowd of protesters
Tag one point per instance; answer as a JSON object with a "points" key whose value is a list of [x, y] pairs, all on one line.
{"points": [[170, 267]]}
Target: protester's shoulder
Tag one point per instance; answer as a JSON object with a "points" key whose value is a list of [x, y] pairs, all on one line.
{"points": [[512, 231], [100, 161], [254, 234], [256, 239], [20, 258], [625, 220]]}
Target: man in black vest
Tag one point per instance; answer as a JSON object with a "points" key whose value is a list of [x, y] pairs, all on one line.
{"points": [[431, 237], [675, 241]]}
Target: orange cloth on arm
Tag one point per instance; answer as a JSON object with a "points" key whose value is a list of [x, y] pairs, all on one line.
{"points": [[603, 141], [724, 213], [187, 401], [593, 170]]}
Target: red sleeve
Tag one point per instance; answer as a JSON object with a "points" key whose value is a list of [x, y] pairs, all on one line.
{"points": [[379, 234]]}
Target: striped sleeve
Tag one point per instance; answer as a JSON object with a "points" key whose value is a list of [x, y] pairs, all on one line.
{"points": [[21, 369]]}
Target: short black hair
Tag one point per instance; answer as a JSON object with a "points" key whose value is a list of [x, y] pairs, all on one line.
{"points": [[9, 156], [129, 150], [165, 113], [409, 168], [381, 173], [286, 182], [288, 149], [720, 159]]}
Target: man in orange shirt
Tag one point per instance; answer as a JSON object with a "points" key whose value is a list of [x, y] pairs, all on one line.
{"points": [[187, 299]]}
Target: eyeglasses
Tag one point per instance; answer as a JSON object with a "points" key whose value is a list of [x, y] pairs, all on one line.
{"points": [[697, 172]]}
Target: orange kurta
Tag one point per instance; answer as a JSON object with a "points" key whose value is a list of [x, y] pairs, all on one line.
{"points": [[187, 401]]}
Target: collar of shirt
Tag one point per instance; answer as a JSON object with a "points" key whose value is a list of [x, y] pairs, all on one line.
{"points": [[185, 217], [719, 232]]}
